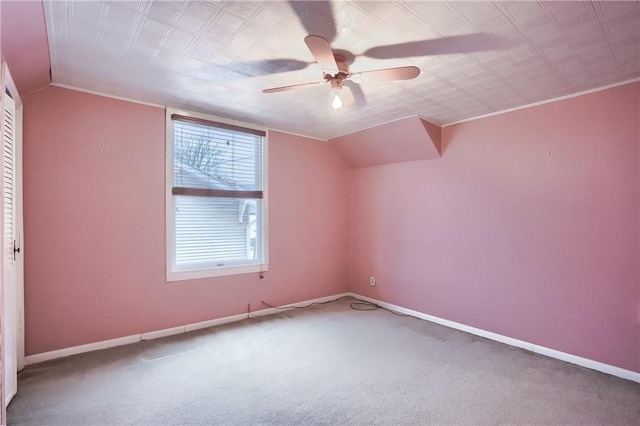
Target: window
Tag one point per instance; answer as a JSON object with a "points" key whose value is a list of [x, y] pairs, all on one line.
{"points": [[216, 201]]}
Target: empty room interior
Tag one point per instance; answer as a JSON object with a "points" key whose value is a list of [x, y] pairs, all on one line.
{"points": [[320, 212]]}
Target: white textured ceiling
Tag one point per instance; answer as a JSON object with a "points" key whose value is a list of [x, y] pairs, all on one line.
{"points": [[216, 57]]}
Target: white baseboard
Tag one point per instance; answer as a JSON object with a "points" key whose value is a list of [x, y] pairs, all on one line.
{"points": [[552, 353], [162, 333], [74, 350], [96, 346]]}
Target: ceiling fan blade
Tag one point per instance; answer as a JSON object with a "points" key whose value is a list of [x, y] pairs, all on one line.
{"points": [[440, 46], [348, 100], [294, 86], [357, 92], [390, 74], [321, 51], [316, 17], [271, 66]]}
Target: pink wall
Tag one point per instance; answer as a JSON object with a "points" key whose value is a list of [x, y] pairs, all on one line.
{"points": [[95, 231], [24, 30], [527, 226]]}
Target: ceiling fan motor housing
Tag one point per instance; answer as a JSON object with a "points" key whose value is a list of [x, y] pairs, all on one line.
{"points": [[336, 82]]}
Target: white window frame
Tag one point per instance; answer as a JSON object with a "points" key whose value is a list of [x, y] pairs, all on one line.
{"points": [[179, 274]]}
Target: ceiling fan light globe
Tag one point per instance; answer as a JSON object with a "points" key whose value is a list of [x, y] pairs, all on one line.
{"points": [[337, 102]]}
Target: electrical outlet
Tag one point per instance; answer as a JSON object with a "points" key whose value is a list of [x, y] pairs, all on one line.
{"points": [[372, 281]]}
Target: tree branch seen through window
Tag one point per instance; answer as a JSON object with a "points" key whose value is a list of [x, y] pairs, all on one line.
{"points": [[206, 156]]}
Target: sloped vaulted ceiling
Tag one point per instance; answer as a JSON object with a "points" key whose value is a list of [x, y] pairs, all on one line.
{"points": [[407, 139]]}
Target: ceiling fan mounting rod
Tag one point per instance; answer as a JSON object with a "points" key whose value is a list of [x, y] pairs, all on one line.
{"points": [[343, 69]]}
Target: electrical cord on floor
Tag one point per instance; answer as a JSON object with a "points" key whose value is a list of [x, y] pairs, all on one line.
{"points": [[306, 306], [358, 305], [362, 305]]}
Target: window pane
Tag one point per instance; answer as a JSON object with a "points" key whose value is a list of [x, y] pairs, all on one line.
{"points": [[214, 158], [216, 231]]}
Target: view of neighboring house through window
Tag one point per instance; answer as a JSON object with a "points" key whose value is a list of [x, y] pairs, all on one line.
{"points": [[217, 198]]}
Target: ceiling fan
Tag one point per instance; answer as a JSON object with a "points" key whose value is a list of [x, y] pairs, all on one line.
{"points": [[335, 71], [317, 18]]}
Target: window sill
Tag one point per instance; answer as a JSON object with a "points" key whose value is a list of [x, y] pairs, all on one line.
{"points": [[194, 274]]}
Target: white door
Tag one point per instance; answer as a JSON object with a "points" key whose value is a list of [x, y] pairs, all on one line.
{"points": [[9, 315], [12, 344]]}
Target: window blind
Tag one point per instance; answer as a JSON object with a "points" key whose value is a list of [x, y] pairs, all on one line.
{"points": [[214, 230], [214, 159]]}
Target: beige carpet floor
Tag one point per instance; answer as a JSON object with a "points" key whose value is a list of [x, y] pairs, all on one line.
{"points": [[328, 364]]}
